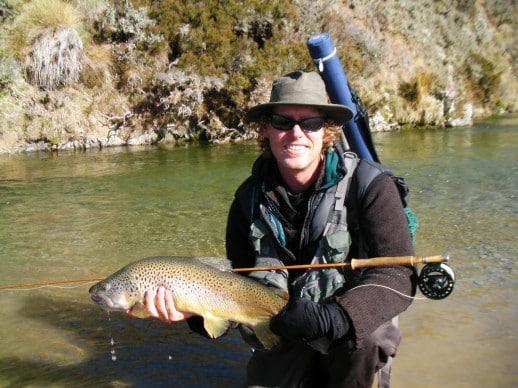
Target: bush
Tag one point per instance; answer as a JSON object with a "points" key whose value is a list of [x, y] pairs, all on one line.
{"points": [[230, 40], [484, 76]]}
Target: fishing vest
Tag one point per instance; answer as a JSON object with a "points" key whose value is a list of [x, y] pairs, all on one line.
{"points": [[329, 231], [269, 241], [333, 247]]}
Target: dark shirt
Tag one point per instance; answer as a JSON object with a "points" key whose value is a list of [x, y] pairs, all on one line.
{"points": [[384, 227]]}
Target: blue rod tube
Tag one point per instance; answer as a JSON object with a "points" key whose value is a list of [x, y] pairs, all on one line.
{"points": [[323, 53]]}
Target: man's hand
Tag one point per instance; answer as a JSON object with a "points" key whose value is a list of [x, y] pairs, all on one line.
{"points": [[304, 320], [160, 304]]}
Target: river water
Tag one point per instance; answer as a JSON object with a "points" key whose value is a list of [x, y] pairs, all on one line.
{"points": [[86, 214]]}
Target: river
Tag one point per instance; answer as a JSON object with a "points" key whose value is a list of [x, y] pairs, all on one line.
{"points": [[81, 215]]}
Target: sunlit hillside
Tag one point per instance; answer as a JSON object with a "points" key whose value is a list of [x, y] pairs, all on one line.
{"points": [[99, 73]]}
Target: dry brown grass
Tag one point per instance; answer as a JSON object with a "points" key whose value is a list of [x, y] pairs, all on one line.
{"points": [[46, 40], [98, 67], [411, 61]]}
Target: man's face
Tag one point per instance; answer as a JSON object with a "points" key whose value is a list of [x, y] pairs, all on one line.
{"points": [[296, 151]]}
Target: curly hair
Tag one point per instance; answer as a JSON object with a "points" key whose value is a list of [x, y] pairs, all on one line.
{"points": [[331, 135]]}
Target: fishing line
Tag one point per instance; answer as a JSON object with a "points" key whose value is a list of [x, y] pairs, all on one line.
{"points": [[17, 288], [33, 286], [388, 288]]}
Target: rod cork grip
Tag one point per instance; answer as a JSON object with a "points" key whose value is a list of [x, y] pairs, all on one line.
{"points": [[397, 260]]}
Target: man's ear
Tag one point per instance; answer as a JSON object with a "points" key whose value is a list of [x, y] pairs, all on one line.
{"points": [[265, 131]]}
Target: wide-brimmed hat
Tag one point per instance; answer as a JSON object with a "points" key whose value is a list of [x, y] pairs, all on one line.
{"points": [[300, 88]]}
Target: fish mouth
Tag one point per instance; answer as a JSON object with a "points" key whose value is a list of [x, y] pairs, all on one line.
{"points": [[103, 301], [110, 303]]}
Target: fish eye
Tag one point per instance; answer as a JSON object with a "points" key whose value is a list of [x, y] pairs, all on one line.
{"points": [[104, 287]]}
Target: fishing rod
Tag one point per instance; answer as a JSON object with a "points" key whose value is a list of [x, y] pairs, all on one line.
{"points": [[435, 281], [357, 263], [49, 283]]}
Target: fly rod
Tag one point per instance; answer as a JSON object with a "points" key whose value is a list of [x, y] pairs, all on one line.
{"points": [[357, 263], [50, 283], [435, 281]]}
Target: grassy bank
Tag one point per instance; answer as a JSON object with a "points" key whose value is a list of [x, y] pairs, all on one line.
{"points": [[98, 73]]}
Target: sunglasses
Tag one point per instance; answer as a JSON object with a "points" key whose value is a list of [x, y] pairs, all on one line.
{"points": [[310, 124]]}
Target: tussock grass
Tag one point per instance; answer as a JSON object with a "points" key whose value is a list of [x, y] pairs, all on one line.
{"points": [[46, 40], [40, 15]]}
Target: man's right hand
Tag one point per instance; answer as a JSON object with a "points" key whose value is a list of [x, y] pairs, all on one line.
{"points": [[304, 320], [160, 305]]}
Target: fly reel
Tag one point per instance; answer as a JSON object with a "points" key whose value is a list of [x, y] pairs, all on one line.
{"points": [[436, 280]]}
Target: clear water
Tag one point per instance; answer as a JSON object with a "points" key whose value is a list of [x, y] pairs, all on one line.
{"points": [[84, 215]]}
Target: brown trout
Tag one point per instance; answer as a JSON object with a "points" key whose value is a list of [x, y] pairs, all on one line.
{"points": [[219, 296]]}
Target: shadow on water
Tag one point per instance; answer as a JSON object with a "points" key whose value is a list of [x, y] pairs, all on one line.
{"points": [[148, 352]]}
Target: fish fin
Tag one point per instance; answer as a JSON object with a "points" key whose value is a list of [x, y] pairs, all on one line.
{"points": [[215, 327], [139, 310], [265, 335]]}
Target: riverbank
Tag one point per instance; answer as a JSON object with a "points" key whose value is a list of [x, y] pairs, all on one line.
{"points": [[153, 72]]}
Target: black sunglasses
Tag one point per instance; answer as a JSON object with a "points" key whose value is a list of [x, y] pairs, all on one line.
{"points": [[310, 124]]}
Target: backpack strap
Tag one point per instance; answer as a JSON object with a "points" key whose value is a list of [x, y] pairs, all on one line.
{"points": [[367, 172]]}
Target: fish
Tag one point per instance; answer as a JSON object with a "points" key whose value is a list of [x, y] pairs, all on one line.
{"points": [[199, 286]]}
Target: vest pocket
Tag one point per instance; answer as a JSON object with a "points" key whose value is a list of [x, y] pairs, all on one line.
{"points": [[319, 284], [337, 246]]}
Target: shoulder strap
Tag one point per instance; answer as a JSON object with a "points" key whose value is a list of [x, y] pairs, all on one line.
{"points": [[369, 170], [338, 214], [246, 198]]}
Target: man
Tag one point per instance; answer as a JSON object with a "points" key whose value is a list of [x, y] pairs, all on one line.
{"points": [[309, 201]]}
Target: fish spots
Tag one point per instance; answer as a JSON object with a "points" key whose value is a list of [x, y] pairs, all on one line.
{"points": [[197, 287]]}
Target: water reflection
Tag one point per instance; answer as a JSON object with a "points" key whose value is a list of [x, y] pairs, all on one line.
{"points": [[86, 214], [76, 350]]}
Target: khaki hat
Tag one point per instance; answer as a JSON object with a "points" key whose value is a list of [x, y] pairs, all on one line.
{"points": [[300, 88]]}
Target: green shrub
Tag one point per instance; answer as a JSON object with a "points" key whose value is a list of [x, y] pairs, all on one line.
{"points": [[236, 41]]}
